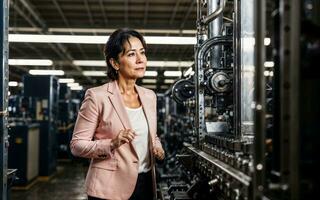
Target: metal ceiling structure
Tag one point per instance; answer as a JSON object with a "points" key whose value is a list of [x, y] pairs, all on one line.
{"points": [[97, 17]]}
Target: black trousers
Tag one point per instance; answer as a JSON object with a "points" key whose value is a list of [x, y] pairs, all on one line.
{"points": [[143, 189]]}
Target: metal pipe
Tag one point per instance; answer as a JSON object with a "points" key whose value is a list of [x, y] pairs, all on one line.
{"points": [[259, 98], [237, 69], [4, 71], [290, 20], [214, 28], [214, 14]]}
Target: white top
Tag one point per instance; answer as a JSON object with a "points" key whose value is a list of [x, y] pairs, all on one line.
{"points": [[140, 142]]}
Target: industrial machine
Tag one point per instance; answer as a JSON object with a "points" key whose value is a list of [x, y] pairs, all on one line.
{"points": [[46, 114], [65, 121], [239, 134]]}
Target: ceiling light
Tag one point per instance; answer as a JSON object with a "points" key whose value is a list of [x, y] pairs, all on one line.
{"points": [[267, 41], [46, 72], [169, 81], [76, 88], [269, 64], [164, 87], [250, 41], [96, 63], [13, 83], [150, 86], [151, 63], [87, 39], [72, 84], [151, 73], [66, 80], [149, 80], [266, 73], [170, 40], [102, 30], [172, 73], [39, 62], [170, 63], [94, 73]]}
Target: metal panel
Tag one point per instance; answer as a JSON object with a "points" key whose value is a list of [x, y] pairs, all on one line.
{"points": [[247, 66], [289, 94], [4, 98], [259, 99]]}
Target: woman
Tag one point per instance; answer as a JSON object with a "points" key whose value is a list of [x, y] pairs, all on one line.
{"points": [[116, 126]]}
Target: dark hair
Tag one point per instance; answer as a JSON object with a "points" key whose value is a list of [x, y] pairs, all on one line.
{"points": [[115, 46]]}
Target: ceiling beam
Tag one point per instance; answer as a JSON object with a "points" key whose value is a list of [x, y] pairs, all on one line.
{"points": [[103, 12], [191, 7], [146, 11], [59, 48], [68, 25], [91, 22], [174, 12], [89, 12], [126, 8], [34, 13]]}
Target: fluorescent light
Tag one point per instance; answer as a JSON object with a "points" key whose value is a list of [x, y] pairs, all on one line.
{"points": [[66, 80], [94, 73], [72, 84], [169, 81], [46, 72], [39, 62], [248, 42], [266, 73], [269, 64], [37, 38], [149, 80], [86, 39], [151, 63], [102, 30], [170, 63], [151, 73], [97, 63], [150, 86], [267, 41], [13, 83], [164, 87], [76, 88], [172, 73], [170, 40], [271, 73]]}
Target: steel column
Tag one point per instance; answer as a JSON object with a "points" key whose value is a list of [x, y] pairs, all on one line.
{"points": [[289, 95], [4, 97], [260, 100]]}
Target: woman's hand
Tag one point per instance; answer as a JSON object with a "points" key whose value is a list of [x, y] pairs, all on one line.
{"points": [[124, 136], [158, 152]]}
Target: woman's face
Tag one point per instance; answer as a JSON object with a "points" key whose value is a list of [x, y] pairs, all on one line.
{"points": [[133, 62]]}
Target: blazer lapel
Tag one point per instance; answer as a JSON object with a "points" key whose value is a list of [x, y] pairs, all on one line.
{"points": [[146, 105], [118, 104]]}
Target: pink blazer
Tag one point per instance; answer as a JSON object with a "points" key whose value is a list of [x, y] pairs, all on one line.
{"points": [[111, 175]]}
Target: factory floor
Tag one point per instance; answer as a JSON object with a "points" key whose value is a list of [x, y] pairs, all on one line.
{"points": [[67, 184]]}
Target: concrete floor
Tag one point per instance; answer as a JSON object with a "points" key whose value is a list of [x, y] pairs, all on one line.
{"points": [[66, 184]]}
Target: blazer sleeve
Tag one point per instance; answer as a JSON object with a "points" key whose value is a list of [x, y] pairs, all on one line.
{"points": [[81, 144], [157, 142]]}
